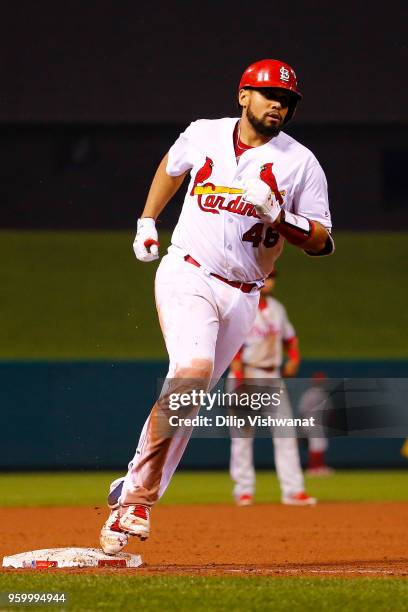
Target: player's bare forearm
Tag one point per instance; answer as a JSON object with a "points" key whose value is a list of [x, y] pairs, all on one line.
{"points": [[161, 191], [317, 242], [146, 243]]}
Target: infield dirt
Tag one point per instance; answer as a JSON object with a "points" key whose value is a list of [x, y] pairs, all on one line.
{"points": [[333, 539]]}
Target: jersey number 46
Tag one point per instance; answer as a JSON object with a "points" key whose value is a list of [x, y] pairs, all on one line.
{"points": [[255, 235]]}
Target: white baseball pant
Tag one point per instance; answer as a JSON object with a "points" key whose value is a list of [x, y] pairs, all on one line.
{"points": [[204, 322], [286, 451]]}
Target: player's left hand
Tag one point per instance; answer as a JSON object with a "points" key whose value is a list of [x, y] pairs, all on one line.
{"points": [[261, 197], [146, 244]]}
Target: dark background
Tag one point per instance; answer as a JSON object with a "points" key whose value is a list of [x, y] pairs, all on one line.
{"points": [[93, 94]]}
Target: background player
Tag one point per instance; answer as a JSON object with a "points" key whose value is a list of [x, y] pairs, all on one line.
{"points": [[251, 188], [311, 404], [261, 357]]}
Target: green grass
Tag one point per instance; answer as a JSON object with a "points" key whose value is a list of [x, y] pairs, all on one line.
{"points": [[89, 488], [84, 295], [206, 594], [188, 593]]}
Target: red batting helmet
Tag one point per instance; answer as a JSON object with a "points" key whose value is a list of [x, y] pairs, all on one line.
{"points": [[273, 73]]}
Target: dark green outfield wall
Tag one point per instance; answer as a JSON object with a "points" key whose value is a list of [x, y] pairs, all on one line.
{"points": [[64, 415]]}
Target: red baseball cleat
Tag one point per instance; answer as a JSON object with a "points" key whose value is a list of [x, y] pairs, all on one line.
{"points": [[135, 520], [299, 499], [246, 499], [112, 538]]}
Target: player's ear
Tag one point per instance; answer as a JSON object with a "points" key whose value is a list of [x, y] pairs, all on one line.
{"points": [[243, 97]]}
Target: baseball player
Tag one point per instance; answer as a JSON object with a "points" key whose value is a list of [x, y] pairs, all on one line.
{"points": [[261, 357], [251, 188], [312, 402]]}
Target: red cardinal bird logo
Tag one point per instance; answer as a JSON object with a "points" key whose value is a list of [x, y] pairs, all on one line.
{"points": [[268, 177], [203, 173]]}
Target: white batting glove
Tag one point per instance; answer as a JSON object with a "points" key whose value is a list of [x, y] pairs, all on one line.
{"points": [[261, 197], [146, 244]]}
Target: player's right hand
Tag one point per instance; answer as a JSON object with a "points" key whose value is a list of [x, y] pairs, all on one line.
{"points": [[146, 244]]}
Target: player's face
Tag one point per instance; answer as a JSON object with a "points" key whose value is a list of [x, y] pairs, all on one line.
{"points": [[266, 109]]}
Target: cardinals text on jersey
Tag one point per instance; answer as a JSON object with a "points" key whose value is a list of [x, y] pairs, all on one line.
{"points": [[216, 226]]}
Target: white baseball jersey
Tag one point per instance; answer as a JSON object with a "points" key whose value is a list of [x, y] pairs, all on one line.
{"points": [[216, 226], [263, 345]]}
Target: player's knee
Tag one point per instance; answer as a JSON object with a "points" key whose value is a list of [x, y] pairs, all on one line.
{"points": [[193, 377], [197, 369]]}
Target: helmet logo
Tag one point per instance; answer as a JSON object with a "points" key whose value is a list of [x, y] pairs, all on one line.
{"points": [[284, 74]]}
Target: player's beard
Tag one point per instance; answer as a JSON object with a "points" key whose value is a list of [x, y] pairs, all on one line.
{"points": [[260, 126]]}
